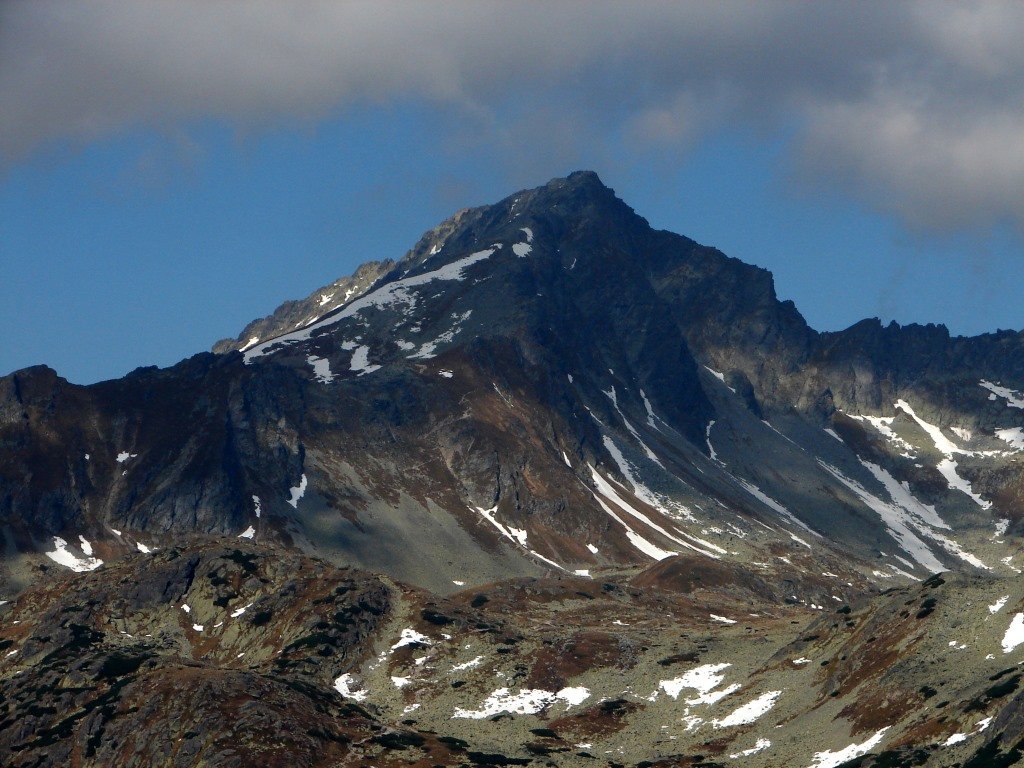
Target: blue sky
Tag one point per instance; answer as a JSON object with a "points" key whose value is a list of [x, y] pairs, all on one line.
{"points": [[142, 239]]}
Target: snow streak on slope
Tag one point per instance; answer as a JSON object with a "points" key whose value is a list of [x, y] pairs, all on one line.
{"points": [[517, 535], [894, 518], [884, 425], [609, 492], [921, 515], [771, 503], [632, 430], [945, 446], [1013, 398], [397, 292]]}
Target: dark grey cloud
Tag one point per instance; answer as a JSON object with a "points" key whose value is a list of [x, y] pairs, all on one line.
{"points": [[915, 107]]}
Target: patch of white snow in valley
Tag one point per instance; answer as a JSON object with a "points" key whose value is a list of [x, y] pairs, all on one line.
{"points": [[522, 249], [997, 606], [760, 745], [399, 292], [410, 637], [239, 611], [1013, 398], [258, 506], [592, 548], [1014, 633], [143, 548], [252, 340], [248, 533], [197, 627], [468, 664], [123, 456], [749, 712], [297, 492], [62, 556], [361, 361], [344, 685], [529, 701], [722, 619], [86, 546], [1013, 435], [400, 682], [321, 369], [703, 680], [830, 759], [833, 433], [528, 232]]}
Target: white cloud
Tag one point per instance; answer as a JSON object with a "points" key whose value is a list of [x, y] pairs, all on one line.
{"points": [[916, 107]]}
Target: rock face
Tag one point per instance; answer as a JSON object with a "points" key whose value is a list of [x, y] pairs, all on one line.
{"points": [[544, 388]]}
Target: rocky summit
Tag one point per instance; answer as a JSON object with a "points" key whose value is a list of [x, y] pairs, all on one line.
{"points": [[555, 488]]}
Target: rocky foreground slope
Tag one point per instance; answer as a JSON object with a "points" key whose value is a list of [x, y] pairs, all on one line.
{"points": [[553, 488], [215, 654]]}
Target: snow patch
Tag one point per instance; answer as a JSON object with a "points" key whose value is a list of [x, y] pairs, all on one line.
{"points": [[389, 295], [1012, 435], [1013, 398], [361, 361], [721, 377], [410, 637], [749, 712], [830, 759], [321, 369], [895, 520], [344, 685], [1014, 633], [997, 606], [297, 492], [529, 701], [62, 556], [760, 745]]}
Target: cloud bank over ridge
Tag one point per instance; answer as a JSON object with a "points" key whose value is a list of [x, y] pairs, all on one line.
{"points": [[915, 108]]}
